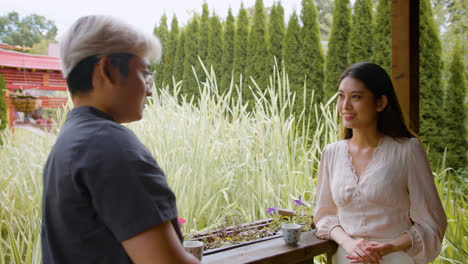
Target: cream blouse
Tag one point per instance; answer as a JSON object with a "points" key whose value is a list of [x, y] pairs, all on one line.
{"points": [[395, 194]]}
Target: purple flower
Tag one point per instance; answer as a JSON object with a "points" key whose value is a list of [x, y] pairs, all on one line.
{"points": [[299, 202], [271, 210]]}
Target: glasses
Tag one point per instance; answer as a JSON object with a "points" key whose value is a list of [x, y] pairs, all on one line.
{"points": [[149, 78]]}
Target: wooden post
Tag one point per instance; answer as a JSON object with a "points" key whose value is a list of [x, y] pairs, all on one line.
{"points": [[10, 107], [329, 258], [405, 58]]}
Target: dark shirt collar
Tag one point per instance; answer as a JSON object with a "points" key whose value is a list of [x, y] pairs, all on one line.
{"points": [[89, 110]]}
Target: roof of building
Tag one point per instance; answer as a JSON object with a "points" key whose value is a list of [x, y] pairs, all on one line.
{"points": [[15, 59]]}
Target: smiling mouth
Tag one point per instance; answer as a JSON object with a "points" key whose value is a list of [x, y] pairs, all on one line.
{"points": [[348, 117]]}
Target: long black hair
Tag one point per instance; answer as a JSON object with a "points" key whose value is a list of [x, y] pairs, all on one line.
{"points": [[389, 121]]}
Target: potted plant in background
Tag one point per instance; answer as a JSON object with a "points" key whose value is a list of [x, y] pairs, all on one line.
{"points": [[24, 101]]}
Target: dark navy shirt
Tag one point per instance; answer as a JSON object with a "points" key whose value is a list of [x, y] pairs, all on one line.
{"points": [[101, 186]]}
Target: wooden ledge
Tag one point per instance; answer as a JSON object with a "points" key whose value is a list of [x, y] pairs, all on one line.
{"points": [[274, 251]]}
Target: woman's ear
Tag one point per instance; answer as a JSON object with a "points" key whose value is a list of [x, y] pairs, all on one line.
{"points": [[382, 103]]}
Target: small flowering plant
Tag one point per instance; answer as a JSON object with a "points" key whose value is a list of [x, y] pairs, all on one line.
{"points": [[299, 201], [181, 220], [303, 215], [271, 210]]}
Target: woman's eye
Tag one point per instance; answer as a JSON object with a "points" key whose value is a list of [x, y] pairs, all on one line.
{"points": [[340, 96], [356, 96]]}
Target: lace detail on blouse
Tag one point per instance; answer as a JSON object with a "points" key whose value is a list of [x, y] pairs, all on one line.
{"points": [[416, 244], [349, 159]]}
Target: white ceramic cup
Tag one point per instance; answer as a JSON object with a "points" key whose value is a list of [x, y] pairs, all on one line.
{"points": [[195, 248], [291, 233]]}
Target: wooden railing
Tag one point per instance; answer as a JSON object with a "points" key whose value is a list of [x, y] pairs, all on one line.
{"points": [[273, 250]]}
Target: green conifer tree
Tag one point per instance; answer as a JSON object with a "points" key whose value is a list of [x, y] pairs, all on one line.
{"points": [[178, 70], [361, 37], [163, 34], [228, 52], [337, 53], [276, 31], [292, 60], [240, 47], [204, 35], [3, 106], [190, 85], [457, 28], [325, 17], [257, 60], [312, 54], [215, 45], [454, 113], [383, 35], [171, 51], [430, 82]]}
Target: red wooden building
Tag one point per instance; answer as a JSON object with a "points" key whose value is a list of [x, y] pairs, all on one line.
{"points": [[40, 75]]}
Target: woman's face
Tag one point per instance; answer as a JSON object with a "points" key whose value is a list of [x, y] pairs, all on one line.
{"points": [[356, 104]]}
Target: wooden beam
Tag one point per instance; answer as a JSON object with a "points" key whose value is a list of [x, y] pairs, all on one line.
{"points": [[405, 58]]}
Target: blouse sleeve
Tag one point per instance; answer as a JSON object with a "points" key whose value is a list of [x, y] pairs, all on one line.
{"points": [[426, 211], [325, 216]]}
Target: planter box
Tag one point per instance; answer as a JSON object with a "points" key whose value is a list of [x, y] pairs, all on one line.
{"points": [[242, 234], [267, 246], [273, 250], [255, 230]]}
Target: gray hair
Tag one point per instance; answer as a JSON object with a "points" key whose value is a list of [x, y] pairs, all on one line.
{"points": [[104, 35]]}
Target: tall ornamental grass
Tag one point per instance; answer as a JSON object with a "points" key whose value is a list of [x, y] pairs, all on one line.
{"points": [[222, 160], [226, 164], [22, 157], [453, 192]]}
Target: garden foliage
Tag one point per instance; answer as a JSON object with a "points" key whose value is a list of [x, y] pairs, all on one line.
{"points": [[240, 47], [170, 52], [215, 45], [293, 62], [430, 82], [338, 46], [178, 70], [189, 85], [203, 36], [228, 51], [311, 61], [276, 31], [257, 53], [383, 35], [162, 32], [455, 114], [361, 37]]}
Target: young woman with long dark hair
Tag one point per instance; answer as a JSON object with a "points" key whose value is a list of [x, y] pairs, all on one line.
{"points": [[376, 195]]}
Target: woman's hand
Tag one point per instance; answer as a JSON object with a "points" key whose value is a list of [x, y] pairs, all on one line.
{"points": [[363, 251]]}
